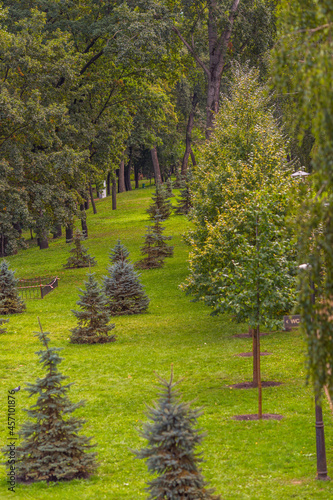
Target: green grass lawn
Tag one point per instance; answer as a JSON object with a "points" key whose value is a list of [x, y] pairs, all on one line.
{"points": [[243, 460]]}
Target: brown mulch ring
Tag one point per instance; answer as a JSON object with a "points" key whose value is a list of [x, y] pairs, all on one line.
{"points": [[250, 354], [265, 416], [248, 335], [250, 385]]}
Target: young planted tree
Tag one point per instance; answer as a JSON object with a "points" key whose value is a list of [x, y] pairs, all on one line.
{"points": [[79, 254], [170, 454], [122, 286], [119, 253], [155, 246], [153, 260], [185, 200], [10, 301], [168, 188], [162, 248], [243, 254], [93, 318], [160, 203], [52, 448]]}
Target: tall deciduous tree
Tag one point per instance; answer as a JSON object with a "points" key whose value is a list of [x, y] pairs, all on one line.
{"points": [[243, 254], [218, 31]]}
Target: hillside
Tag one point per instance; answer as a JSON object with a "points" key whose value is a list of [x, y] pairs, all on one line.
{"points": [[243, 460]]}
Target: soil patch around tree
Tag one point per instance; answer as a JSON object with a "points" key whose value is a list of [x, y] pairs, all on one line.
{"points": [[250, 354], [248, 335], [250, 385], [265, 416]]}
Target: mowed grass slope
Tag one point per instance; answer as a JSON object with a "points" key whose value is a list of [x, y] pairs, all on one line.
{"points": [[243, 460]]}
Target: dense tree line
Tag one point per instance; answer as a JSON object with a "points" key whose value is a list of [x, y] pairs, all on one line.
{"points": [[93, 91]]}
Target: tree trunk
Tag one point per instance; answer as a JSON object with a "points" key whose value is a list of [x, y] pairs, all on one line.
{"points": [[84, 222], [92, 198], [108, 186], [136, 176], [121, 178], [57, 232], [69, 234], [218, 44], [86, 204], [157, 171], [43, 242], [258, 373], [189, 128], [114, 193], [127, 176], [258, 322], [3, 241], [254, 355]]}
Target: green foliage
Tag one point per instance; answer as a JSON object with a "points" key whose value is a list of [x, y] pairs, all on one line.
{"points": [[93, 318], [168, 188], [185, 200], [40, 165], [10, 301], [302, 65], [160, 204], [241, 244], [172, 437], [52, 449], [122, 286], [2, 322], [80, 256]]}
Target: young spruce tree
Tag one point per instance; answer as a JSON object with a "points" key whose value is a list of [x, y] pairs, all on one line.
{"points": [[10, 301], [122, 286], [185, 200], [160, 204], [93, 318], [172, 438], [168, 188], [155, 246], [79, 254], [119, 253], [52, 449]]}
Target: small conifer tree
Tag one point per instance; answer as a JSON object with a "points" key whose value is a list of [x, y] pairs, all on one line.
{"points": [[163, 249], [155, 246], [153, 260], [122, 286], [93, 318], [172, 438], [178, 183], [168, 189], [52, 449], [2, 328], [119, 253], [79, 254], [160, 203], [10, 301], [185, 200]]}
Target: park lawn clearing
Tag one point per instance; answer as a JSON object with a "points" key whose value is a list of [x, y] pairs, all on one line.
{"points": [[243, 459]]}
